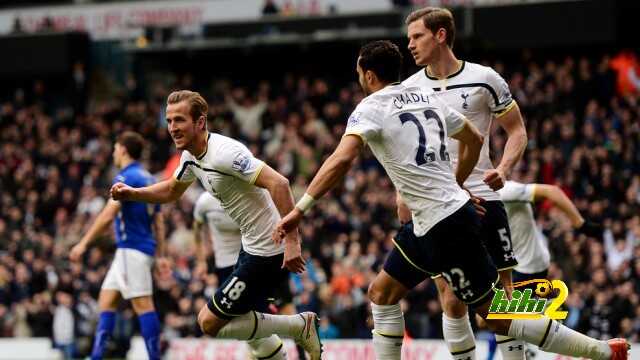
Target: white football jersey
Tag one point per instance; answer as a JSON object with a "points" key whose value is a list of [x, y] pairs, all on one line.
{"points": [[529, 244], [225, 233], [406, 129], [480, 94], [228, 171]]}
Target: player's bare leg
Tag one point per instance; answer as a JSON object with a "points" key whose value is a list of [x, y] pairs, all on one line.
{"points": [[552, 336], [456, 327], [385, 294], [303, 328], [108, 301], [511, 349]]}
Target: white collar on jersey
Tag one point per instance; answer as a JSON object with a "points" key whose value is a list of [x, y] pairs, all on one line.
{"points": [[461, 64], [205, 149]]}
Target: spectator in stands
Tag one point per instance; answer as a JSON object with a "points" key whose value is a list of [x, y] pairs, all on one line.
{"points": [[270, 8], [327, 330], [401, 3], [247, 112], [63, 325], [17, 28], [618, 250]]}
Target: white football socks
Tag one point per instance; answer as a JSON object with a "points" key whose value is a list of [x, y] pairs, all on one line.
{"points": [[255, 325], [511, 348], [388, 331], [554, 337], [459, 337], [271, 348]]}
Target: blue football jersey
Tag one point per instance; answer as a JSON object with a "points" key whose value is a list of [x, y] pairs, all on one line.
{"points": [[133, 223]]}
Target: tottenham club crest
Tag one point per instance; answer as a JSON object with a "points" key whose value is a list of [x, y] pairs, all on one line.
{"points": [[464, 97], [241, 163]]}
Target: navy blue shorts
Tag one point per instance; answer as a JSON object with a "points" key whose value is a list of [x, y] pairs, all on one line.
{"points": [[496, 235], [518, 276], [451, 248], [282, 295], [223, 273], [252, 283]]}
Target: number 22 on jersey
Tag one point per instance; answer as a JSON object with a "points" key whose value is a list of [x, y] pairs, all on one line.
{"points": [[426, 154]]}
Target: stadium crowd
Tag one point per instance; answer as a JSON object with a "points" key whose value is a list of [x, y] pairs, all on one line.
{"points": [[56, 169]]}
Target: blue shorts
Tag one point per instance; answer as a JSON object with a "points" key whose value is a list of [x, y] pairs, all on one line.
{"points": [[251, 285]]}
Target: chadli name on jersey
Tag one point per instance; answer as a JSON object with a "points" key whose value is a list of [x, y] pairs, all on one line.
{"points": [[409, 98]]}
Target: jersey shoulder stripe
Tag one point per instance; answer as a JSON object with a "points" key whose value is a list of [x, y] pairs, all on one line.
{"points": [[187, 163]]}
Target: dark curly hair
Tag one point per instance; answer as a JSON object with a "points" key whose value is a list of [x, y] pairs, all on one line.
{"points": [[383, 58]]}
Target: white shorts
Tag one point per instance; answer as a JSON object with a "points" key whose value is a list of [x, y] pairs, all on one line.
{"points": [[130, 274]]}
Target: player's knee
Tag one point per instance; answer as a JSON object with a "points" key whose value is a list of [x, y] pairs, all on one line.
{"points": [[500, 327], [378, 295], [452, 306], [108, 300], [374, 294], [481, 322], [207, 322], [142, 304]]}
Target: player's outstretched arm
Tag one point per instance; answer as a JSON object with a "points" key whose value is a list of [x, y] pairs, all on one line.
{"points": [[102, 221], [201, 252], [278, 187], [561, 200], [336, 166], [163, 192], [404, 214], [163, 264], [469, 149], [331, 172], [160, 232], [513, 125]]}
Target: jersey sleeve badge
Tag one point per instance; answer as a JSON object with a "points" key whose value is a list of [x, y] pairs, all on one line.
{"points": [[241, 163]]}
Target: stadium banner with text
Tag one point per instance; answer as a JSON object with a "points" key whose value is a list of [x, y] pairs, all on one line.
{"points": [[120, 20], [126, 20]]}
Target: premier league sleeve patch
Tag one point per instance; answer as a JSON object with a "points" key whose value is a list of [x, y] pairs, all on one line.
{"points": [[354, 119], [241, 163]]}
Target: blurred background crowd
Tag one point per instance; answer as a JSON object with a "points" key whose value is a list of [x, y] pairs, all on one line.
{"points": [[56, 169], [280, 77]]}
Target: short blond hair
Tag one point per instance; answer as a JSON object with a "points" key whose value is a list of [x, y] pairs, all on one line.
{"points": [[197, 104], [434, 19]]}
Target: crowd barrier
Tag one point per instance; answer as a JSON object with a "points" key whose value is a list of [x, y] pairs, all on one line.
{"points": [[207, 349], [28, 349]]}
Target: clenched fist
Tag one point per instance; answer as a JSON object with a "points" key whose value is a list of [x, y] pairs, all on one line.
{"points": [[495, 178], [77, 252], [121, 191]]}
